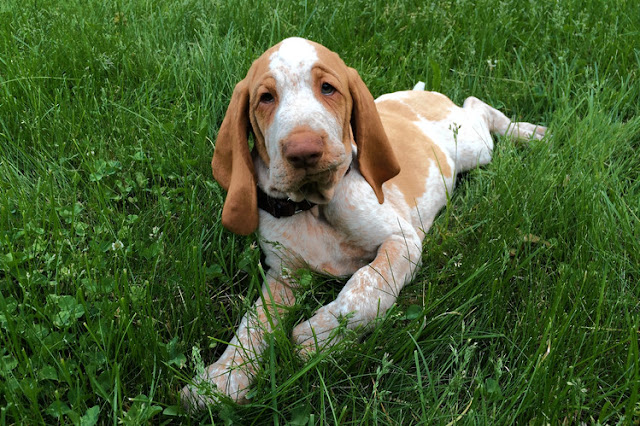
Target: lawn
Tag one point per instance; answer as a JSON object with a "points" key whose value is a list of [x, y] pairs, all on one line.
{"points": [[117, 281]]}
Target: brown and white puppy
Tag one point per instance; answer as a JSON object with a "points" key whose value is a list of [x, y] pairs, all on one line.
{"points": [[365, 179]]}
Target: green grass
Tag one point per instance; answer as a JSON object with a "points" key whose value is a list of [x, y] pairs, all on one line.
{"points": [[115, 274]]}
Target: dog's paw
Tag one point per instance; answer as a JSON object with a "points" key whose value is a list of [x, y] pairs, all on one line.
{"points": [[316, 334], [527, 131], [218, 382], [538, 132], [303, 337]]}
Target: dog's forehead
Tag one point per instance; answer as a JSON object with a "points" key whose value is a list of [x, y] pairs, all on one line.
{"points": [[292, 60], [293, 55]]}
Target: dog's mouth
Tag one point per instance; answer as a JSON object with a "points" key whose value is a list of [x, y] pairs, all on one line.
{"points": [[316, 185], [319, 187], [313, 192]]}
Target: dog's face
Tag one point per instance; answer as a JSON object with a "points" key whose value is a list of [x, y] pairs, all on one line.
{"points": [[305, 108], [300, 108]]}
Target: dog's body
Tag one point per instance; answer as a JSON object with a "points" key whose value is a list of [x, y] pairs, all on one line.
{"points": [[368, 177]]}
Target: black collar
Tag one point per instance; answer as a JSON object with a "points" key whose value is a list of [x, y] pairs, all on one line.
{"points": [[279, 207]]}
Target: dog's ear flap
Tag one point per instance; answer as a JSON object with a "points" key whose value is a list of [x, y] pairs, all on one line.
{"points": [[233, 167], [376, 158]]}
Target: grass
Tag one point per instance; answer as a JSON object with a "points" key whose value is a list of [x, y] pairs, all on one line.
{"points": [[116, 277]]}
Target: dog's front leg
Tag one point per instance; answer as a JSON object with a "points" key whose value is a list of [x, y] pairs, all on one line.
{"points": [[370, 292], [232, 374]]}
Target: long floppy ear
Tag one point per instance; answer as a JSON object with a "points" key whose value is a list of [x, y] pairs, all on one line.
{"points": [[376, 158], [233, 167]]}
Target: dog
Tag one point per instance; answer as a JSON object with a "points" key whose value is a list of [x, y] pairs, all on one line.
{"points": [[337, 183]]}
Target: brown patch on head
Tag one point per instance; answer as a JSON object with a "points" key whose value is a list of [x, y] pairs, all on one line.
{"points": [[415, 152], [264, 102], [331, 69], [261, 113]]}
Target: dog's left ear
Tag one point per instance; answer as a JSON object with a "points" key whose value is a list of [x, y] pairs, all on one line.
{"points": [[376, 158], [233, 167]]}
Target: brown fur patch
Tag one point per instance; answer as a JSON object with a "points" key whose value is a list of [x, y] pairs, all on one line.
{"points": [[415, 153], [429, 105], [395, 106]]}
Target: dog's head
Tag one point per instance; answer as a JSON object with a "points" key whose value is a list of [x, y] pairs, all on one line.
{"points": [[304, 107]]}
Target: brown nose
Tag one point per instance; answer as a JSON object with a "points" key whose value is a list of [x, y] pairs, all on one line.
{"points": [[303, 150]]}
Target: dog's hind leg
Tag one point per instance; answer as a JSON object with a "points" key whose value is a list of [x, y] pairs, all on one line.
{"points": [[500, 124]]}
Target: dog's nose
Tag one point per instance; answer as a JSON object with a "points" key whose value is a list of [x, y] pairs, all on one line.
{"points": [[303, 150]]}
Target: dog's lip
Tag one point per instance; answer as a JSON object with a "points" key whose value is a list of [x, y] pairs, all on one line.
{"points": [[316, 195], [307, 179], [316, 186], [316, 175], [304, 191], [304, 187]]}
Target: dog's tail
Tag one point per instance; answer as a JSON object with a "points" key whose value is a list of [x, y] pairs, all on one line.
{"points": [[419, 86]]}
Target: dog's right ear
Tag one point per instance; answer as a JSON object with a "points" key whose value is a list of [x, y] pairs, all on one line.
{"points": [[233, 167]]}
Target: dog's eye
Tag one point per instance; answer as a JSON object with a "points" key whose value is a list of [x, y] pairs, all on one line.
{"points": [[327, 89], [266, 98]]}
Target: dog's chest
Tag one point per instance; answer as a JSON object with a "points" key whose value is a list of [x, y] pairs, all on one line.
{"points": [[312, 240]]}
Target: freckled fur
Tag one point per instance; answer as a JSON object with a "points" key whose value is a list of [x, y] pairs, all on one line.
{"points": [[373, 238]]}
